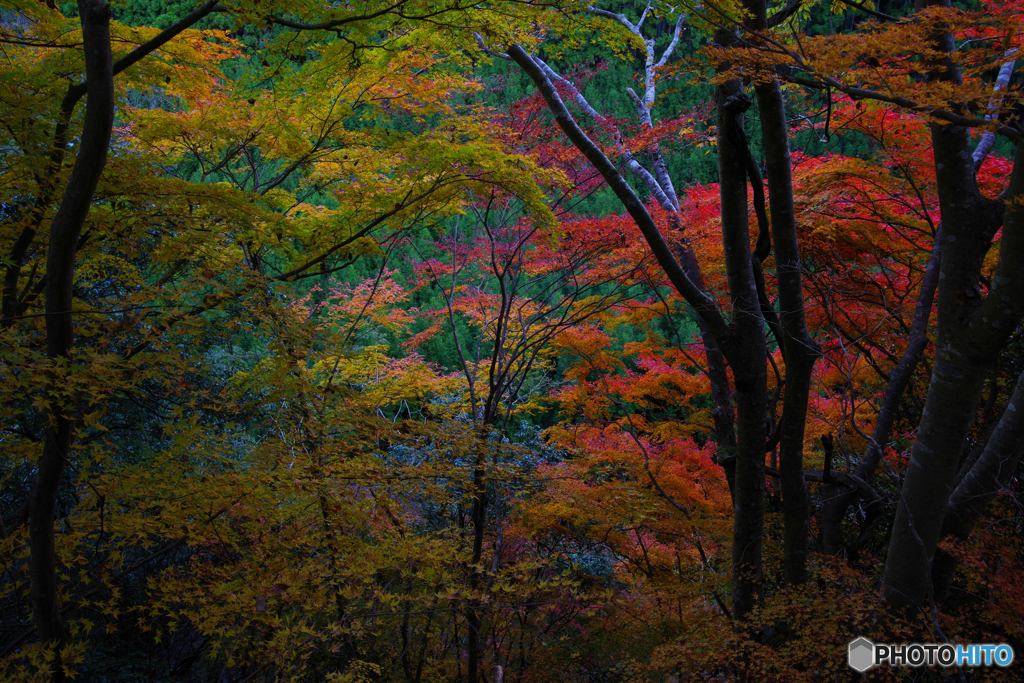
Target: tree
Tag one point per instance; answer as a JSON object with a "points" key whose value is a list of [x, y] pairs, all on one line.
{"points": [[520, 285], [755, 56], [741, 340], [221, 157], [971, 329]]}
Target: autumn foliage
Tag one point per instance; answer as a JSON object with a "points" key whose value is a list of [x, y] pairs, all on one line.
{"points": [[425, 341]]}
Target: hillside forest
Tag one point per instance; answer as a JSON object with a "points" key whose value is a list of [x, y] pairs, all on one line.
{"points": [[509, 341]]}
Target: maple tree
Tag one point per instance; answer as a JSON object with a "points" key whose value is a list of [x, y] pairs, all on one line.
{"points": [[214, 189], [921, 501], [931, 476], [741, 341]]}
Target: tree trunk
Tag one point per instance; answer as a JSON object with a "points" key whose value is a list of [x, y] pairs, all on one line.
{"points": [[748, 357], [13, 304], [722, 413], [838, 500], [949, 411], [990, 473], [800, 351], [741, 341], [971, 333], [60, 265]]}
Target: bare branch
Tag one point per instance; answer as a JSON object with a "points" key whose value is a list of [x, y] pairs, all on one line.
{"points": [[672, 45], [165, 36], [621, 18], [864, 8], [988, 139], [696, 297]]}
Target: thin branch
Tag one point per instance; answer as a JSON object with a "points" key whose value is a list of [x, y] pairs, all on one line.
{"points": [[701, 301], [165, 36], [864, 8], [988, 139], [857, 93], [785, 13]]}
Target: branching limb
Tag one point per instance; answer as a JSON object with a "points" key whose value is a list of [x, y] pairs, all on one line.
{"points": [[988, 139], [657, 188], [645, 103], [700, 300], [864, 8], [785, 13], [858, 93]]}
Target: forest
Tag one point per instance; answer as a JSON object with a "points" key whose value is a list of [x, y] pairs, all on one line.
{"points": [[510, 341]]}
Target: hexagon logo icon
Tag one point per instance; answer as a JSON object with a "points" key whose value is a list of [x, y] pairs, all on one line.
{"points": [[861, 654]]}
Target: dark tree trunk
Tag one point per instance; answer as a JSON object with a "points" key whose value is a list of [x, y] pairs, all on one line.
{"points": [[13, 303], [722, 414], [60, 270], [972, 330], [748, 357], [990, 473], [741, 341], [800, 351]]}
